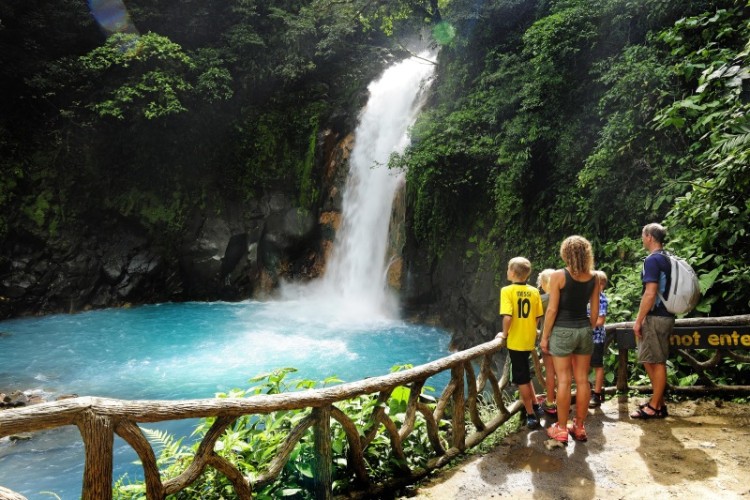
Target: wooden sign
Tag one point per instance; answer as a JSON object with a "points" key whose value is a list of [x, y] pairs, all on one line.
{"points": [[695, 337], [710, 337]]}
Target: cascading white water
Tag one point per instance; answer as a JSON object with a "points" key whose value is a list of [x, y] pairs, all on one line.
{"points": [[356, 270], [355, 281]]}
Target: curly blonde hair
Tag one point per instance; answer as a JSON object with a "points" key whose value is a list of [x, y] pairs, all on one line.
{"points": [[577, 254]]}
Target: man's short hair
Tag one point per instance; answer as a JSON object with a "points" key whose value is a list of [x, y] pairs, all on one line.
{"points": [[520, 266], [656, 231]]}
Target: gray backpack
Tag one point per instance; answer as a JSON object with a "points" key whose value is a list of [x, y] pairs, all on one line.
{"points": [[684, 291]]}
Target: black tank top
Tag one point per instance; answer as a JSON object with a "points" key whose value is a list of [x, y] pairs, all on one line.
{"points": [[574, 298]]}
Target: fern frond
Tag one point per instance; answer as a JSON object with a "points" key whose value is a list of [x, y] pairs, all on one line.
{"points": [[168, 449], [159, 438]]}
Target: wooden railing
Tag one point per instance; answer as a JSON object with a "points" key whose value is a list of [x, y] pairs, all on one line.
{"points": [[703, 364], [99, 419]]}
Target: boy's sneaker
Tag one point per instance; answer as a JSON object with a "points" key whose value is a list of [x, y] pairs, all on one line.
{"points": [[597, 398], [538, 412], [532, 422], [549, 409]]}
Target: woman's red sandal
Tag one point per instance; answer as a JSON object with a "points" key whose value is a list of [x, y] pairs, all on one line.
{"points": [[558, 433]]}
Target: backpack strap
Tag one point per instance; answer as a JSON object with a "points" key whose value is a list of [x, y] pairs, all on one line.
{"points": [[661, 299]]}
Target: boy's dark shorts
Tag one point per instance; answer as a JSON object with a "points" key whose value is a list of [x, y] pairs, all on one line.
{"points": [[519, 366], [597, 357]]}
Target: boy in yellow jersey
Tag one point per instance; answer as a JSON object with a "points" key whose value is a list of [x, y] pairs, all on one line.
{"points": [[521, 307]]}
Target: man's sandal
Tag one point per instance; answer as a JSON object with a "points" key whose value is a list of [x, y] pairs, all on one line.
{"points": [[663, 409], [641, 412]]}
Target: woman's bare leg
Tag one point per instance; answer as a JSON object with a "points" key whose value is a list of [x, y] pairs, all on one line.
{"points": [[563, 371], [583, 391]]}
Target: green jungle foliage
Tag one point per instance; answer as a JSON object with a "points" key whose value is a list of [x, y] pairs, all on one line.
{"points": [[593, 118], [180, 101], [547, 118], [253, 441]]}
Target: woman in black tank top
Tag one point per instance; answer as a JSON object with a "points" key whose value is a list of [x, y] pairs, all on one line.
{"points": [[567, 333]]}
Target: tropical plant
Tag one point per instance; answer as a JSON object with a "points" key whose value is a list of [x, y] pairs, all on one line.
{"points": [[710, 221], [253, 441]]}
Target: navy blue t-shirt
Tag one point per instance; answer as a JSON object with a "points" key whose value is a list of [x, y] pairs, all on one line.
{"points": [[656, 267]]}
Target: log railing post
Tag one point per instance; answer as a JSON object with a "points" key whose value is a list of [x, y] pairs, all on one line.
{"points": [[323, 466], [459, 408], [622, 370], [97, 432]]}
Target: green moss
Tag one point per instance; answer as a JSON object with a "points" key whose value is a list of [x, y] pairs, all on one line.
{"points": [[43, 211], [308, 191], [151, 209], [278, 150], [8, 184]]}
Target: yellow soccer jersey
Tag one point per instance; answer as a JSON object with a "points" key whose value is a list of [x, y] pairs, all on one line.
{"points": [[523, 304]]}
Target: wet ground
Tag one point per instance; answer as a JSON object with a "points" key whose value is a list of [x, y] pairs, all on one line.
{"points": [[701, 450]]}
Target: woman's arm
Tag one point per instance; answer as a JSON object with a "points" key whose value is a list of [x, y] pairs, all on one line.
{"points": [[556, 282], [594, 305]]}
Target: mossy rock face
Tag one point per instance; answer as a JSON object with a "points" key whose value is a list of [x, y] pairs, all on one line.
{"points": [[102, 259], [457, 290]]}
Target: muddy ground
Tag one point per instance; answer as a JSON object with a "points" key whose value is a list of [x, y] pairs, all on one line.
{"points": [[701, 450]]}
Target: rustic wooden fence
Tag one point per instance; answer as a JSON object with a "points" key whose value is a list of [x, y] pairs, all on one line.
{"points": [[449, 433], [448, 430]]}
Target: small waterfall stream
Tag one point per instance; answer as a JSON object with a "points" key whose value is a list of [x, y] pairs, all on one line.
{"points": [[355, 278]]}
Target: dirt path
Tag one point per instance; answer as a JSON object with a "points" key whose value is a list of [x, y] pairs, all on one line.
{"points": [[701, 450]]}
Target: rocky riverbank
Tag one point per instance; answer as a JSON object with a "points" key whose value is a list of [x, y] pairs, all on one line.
{"points": [[14, 399]]}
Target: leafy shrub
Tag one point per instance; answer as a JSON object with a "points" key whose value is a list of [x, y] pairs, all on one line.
{"points": [[252, 442]]}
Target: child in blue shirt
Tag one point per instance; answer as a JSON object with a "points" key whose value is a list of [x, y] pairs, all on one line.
{"points": [[597, 357]]}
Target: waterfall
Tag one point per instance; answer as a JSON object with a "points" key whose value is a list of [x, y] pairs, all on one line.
{"points": [[355, 277]]}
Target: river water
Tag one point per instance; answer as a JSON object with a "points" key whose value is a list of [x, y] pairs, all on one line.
{"points": [[179, 351]]}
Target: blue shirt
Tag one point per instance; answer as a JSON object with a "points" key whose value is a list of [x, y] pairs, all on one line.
{"points": [[657, 269], [599, 332]]}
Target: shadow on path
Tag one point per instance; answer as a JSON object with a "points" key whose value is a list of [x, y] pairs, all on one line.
{"points": [[698, 451]]}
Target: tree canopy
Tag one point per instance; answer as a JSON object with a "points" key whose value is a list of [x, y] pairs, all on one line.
{"points": [[593, 118], [548, 117]]}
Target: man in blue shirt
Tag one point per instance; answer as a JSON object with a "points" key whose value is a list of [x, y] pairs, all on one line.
{"points": [[654, 323]]}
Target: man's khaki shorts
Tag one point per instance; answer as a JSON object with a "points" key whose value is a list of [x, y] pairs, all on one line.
{"points": [[654, 343]]}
